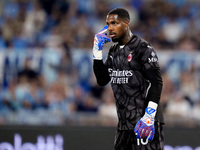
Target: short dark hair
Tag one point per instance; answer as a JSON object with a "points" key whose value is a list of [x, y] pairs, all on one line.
{"points": [[121, 12]]}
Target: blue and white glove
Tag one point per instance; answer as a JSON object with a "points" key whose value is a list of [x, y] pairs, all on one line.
{"points": [[99, 40], [145, 126]]}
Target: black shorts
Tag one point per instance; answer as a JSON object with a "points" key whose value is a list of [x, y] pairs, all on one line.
{"points": [[126, 140]]}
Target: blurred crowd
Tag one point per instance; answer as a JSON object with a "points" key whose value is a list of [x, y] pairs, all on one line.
{"points": [[55, 88], [167, 24]]}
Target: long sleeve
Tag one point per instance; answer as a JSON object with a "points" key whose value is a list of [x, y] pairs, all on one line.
{"points": [[154, 77], [152, 73], [101, 72]]}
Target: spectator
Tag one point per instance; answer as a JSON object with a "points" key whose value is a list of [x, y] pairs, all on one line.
{"points": [[61, 33], [173, 31], [180, 102], [107, 108], [34, 23]]}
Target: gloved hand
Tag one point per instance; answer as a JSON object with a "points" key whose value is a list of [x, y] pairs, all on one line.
{"points": [[145, 126], [99, 40]]}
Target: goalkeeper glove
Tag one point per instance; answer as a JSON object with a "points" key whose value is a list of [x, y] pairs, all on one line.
{"points": [[145, 126], [99, 40]]}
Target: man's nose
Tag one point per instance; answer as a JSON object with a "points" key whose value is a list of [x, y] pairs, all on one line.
{"points": [[110, 28]]}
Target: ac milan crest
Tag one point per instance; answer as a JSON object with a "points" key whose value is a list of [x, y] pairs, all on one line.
{"points": [[129, 57]]}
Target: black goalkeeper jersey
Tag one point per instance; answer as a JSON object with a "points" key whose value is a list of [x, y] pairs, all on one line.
{"points": [[135, 78]]}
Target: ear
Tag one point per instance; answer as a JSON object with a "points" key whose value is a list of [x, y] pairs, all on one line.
{"points": [[126, 22]]}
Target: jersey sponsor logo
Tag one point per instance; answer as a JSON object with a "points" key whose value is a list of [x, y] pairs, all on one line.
{"points": [[130, 57], [118, 76], [120, 73], [153, 58], [119, 80]]}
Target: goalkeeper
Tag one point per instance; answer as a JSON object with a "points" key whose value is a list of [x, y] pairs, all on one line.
{"points": [[133, 70]]}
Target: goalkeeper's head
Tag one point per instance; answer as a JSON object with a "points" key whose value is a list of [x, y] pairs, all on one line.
{"points": [[118, 25]]}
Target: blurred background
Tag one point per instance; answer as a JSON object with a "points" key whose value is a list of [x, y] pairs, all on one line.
{"points": [[46, 76]]}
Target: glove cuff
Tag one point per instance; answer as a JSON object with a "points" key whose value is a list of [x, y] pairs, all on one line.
{"points": [[97, 54], [151, 108], [153, 105]]}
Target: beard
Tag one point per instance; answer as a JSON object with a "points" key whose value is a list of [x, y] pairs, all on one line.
{"points": [[114, 39]]}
